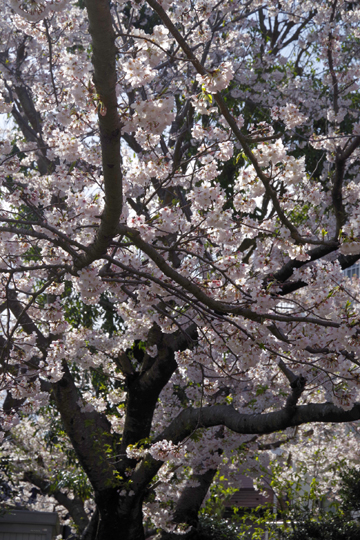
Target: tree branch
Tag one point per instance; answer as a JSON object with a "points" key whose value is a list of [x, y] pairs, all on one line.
{"points": [[74, 506], [233, 125], [104, 56], [190, 501], [225, 415], [89, 432], [246, 424], [145, 387], [199, 293]]}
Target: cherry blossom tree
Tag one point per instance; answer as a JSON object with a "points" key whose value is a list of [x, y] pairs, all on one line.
{"points": [[179, 197]]}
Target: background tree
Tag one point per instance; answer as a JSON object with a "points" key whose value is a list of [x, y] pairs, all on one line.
{"points": [[319, 519], [179, 196]]}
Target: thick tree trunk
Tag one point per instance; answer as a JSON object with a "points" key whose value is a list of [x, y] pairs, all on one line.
{"points": [[121, 518]]}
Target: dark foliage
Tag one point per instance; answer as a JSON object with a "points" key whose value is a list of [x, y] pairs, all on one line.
{"points": [[335, 528]]}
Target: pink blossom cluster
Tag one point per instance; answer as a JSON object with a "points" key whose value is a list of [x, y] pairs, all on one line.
{"points": [[218, 79]]}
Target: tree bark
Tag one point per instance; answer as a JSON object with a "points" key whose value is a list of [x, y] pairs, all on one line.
{"points": [[121, 517], [104, 62], [189, 504], [89, 433]]}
